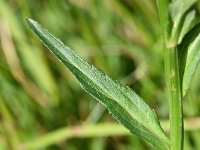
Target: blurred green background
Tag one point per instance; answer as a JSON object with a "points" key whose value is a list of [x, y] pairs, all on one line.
{"points": [[38, 96]]}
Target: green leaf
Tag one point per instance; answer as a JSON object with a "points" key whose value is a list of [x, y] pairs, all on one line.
{"points": [[189, 23], [179, 7], [178, 10], [189, 56], [124, 104]]}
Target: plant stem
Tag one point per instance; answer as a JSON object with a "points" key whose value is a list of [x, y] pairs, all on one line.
{"points": [[175, 98]]}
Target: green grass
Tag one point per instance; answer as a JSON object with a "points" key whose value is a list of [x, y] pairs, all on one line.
{"points": [[38, 97]]}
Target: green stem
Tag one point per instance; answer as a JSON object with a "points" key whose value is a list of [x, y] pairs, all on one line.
{"points": [[175, 98]]}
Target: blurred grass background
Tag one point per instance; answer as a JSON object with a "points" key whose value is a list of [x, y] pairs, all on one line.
{"points": [[39, 96]]}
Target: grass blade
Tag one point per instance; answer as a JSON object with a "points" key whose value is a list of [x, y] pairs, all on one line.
{"points": [[93, 130], [124, 104]]}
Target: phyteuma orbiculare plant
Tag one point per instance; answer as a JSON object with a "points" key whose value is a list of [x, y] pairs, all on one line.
{"points": [[181, 36]]}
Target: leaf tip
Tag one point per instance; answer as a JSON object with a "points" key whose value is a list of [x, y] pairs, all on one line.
{"points": [[30, 21]]}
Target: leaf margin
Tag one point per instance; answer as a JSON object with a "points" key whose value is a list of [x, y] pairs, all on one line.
{"points": [[60, 52]]}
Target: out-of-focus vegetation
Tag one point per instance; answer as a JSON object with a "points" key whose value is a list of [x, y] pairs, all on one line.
{"points": [[39, 97]]}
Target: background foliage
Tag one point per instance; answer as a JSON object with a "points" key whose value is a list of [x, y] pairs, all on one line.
{"points": [[38, 96]]}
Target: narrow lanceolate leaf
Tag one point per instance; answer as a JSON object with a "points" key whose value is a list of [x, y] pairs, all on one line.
{"points": [[188, 24], [178, 10], [124, 104], [179, 7], [189, 57]]}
